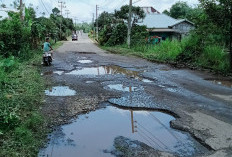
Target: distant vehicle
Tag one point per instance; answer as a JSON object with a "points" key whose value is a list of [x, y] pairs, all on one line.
{"points": [[74, 37]]}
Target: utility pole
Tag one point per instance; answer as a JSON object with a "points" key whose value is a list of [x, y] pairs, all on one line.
{"points": [[67, 12], [129, 25], [97, 7], [62, 5], [93, 28], [75, 19], [231, 37]]}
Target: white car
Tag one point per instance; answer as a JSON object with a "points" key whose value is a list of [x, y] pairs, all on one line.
{"points": [[74, 37]]}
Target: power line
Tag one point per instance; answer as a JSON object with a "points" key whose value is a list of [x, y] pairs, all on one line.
{"points": [[44, 7], [166, 147]]}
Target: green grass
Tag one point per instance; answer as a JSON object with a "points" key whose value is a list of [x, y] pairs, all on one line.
{"points": [[23, 129], [214, 57], [211, 57], [166, 51]]}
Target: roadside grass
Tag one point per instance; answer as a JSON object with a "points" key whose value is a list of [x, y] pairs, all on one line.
{"points": [[166, 51], [23, 129], [210, 57], [22, 126], [57, 44], [214, 57]]}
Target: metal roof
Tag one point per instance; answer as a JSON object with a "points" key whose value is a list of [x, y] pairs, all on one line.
{"points": [[160, 21]]}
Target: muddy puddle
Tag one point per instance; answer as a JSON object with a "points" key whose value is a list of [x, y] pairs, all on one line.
{"points": [[226, 83], [105, 70], [85, 61], [121, 87], [94, 134], [60, 91]]}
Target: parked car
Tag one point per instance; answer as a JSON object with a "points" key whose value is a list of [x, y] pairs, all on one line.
{"points": [[74, 37]]}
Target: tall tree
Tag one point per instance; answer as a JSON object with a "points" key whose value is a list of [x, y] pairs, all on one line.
{"points": [[180, 10], [122, 14]]}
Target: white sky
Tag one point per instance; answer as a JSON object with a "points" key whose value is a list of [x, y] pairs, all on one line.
{"points": [[84, 9]]}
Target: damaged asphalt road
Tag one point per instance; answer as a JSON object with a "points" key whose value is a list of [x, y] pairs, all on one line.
{"points": [[84, 79]]}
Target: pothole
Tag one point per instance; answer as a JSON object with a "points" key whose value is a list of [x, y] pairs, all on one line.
{"points": [[85, 61], [226, 83], [121, 87], [95, 132], [83, 52], [89, 82], [60, 91], [147, 81], [105, 70], [52, 72]]}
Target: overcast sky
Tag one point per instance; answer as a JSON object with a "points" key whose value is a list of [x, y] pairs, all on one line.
{"points": [[84, 9]]}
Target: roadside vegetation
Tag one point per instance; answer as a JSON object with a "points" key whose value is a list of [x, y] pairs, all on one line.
{"points": [[206, 47], [23, 128]]}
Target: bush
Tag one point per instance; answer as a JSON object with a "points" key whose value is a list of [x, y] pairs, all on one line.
{"points": [[118, 35], [214, 57], [14, 37]]}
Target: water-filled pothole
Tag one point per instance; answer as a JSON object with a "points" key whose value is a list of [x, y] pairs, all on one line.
{"points": [[227, 83], [52, 72], [95, 132], [85, 61], [105, 70], [121, 87], [60, 91], [147, 81]]}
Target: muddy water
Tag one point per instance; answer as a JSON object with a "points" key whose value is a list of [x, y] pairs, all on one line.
{"points": [[223, 83], [60, 91], [91, 134], [105, 70]]}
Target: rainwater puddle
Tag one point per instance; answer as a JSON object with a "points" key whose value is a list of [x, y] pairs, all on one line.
{"points": [[85, 61], [60, 91], [95, 132], [121, 87], [105, 70], [88, 82], [146, 81], [52, 72], [226, 83], [173, 90]]}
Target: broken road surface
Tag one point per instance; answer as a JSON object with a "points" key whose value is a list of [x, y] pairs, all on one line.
{"points": [[86, 86]]}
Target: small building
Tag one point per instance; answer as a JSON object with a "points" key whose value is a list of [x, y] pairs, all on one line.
{"points": [[150, 10], [165, 26]]}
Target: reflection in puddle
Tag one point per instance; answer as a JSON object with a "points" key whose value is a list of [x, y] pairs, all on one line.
{"points": [[121, 87], [60, 91], [52, 72], [173, 90], [88, 82], [96, 133], [147, 81], [85, 61], [104, 70]]}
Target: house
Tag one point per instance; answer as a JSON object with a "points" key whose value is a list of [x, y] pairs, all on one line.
{"points": [[150, 10], [165, 26]]}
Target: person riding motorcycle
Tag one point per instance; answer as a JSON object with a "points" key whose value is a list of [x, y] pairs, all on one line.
{"points": [[47, 48]]}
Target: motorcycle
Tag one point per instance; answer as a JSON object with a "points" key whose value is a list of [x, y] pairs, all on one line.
{"points": [[47, 58]]}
